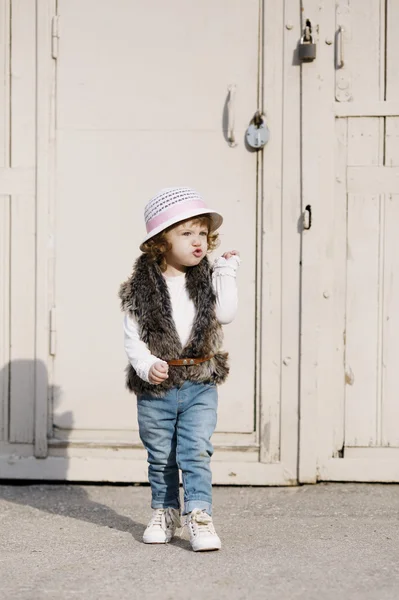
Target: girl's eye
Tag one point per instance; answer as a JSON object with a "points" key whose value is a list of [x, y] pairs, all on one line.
{"points": [[187, 233], [204, 233]]}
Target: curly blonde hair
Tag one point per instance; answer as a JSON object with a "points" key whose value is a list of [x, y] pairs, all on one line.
{"points": [[158, 246]]}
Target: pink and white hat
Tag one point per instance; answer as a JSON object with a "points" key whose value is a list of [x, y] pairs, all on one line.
{"points": [[172, 205]]}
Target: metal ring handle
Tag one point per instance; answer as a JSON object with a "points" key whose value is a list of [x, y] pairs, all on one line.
{"points": [[231, 116]]}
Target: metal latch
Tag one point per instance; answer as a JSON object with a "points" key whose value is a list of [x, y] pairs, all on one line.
{"points": [[307, 217]]}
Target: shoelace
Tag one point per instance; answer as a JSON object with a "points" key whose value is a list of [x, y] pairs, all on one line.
{"points": [[157, 519], [164, 518], [203, 522]]}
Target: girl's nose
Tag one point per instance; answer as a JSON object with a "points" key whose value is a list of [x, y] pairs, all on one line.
{"points": [[196, 242]]}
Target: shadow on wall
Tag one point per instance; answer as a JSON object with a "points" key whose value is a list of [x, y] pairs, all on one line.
{"points": [[68, 500]]}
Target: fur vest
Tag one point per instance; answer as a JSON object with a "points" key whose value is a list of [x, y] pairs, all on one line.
{"points": [[146, 296]]}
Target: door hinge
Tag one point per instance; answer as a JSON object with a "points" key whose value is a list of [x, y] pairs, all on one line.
{"points": [[54, 36], [53, 332]]}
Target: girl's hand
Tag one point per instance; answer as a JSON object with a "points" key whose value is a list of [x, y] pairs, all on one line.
{"points": [[231, 253], [158, 373]]}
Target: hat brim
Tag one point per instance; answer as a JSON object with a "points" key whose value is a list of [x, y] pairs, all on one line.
{"points": [[216, 221]]}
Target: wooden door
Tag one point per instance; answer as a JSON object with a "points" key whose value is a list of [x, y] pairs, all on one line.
{"points": [[22, 370], [350, 342], [142, 103], [114, 101]]}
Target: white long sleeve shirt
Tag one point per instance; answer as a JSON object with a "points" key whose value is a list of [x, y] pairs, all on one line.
{"points": [[183, 310]]}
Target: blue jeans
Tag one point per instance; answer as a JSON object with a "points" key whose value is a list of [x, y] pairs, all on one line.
{"points": [[176, 431]]}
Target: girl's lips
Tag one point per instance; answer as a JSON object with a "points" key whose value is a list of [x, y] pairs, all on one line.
{"points": [[197, 253]]}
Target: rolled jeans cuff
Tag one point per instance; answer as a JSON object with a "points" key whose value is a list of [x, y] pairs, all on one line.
{"points": [[190, 505], [165, 504]]}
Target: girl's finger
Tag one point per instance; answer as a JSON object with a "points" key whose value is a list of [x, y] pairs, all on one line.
{"points": [[155, 376], [157, 369], [159, 376]]}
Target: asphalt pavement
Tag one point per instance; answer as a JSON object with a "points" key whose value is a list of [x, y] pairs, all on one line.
{"points": [[323, 542]]}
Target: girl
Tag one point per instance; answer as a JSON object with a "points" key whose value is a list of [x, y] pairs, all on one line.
{"points": [[174, 305]]}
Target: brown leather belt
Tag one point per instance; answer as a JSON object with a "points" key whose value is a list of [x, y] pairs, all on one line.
{"points": [[187, 362]]}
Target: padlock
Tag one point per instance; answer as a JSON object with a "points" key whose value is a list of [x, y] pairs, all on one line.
{"points": [[258, 133], [307, 49]]}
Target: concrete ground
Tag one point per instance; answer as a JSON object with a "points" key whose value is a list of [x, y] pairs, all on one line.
{"points": [[324, 542]]}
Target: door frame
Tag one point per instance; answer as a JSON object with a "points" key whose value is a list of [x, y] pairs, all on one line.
{"points": [[318, 387], [280, 242], [45, 250]]}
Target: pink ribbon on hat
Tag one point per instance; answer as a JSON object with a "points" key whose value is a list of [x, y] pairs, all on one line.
{"points": [[173, 211]]}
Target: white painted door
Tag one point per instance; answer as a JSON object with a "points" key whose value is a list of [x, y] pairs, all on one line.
{"points": [[140, 108], [20, 368], [141, 92], [350, 341]]}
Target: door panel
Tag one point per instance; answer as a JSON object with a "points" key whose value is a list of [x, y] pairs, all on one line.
{"points": [[17, 218], [140, 108]]}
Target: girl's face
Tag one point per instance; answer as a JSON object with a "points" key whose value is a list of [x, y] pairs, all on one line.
{"points": [[189, 241]]}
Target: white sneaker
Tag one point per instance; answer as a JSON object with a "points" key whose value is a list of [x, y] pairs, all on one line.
{"points": [[162, 527], [202, 531]]}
